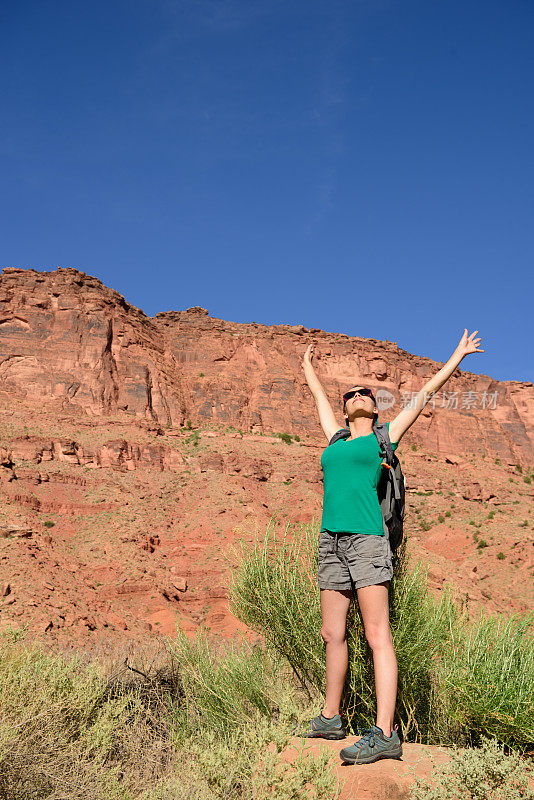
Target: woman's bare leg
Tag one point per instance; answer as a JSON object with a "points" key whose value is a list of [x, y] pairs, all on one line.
{"points": [[373, 602], [334, 608]]}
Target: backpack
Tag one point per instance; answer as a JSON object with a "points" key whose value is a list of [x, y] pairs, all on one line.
{"points": [[391, 487]]}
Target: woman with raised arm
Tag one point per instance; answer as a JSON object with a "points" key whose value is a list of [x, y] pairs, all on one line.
{"points": [[354, 553]]}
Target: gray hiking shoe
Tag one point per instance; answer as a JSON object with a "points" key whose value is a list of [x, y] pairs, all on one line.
{"points": [[372, 746], [323, 728]]}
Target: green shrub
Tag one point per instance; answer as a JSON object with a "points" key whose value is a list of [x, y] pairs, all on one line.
{"points": [[447, 513], [482, 543], [527, 479], [500, 555], [489, 680], [296, 437], [285, 437], [491, 514], [64, 730], [420, 629], [523, 524], [281, 601], [485, 773], [219, 690], [199, 725], [457, 679], [267, 593], [246, 765], [414, 447], [234, 720], [441, 518], [49, 524]]}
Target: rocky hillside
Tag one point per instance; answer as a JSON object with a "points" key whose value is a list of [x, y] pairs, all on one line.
{"points": [[135, 451]]}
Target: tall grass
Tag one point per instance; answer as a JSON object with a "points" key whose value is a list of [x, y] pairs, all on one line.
{"points": [[225, 689], [201, 722], [240, 701], [486, 680], [65, 730], [274, 591], [457, 679]]}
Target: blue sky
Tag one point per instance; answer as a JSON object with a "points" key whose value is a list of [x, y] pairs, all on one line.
{"points": [[361, 167]]}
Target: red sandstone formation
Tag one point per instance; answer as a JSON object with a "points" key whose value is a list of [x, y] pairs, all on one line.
{"points": [[66, 336], [135, 451]]}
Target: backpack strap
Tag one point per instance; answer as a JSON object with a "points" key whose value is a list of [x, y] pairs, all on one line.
{"points": [[388, 515], [395, 485], [344, 433], [381, 432]]}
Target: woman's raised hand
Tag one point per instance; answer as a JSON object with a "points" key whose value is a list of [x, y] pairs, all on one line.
{"points": [[308, 355], [468, 344]]}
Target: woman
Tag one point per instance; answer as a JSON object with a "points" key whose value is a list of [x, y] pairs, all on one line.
{"points": [[354, 553]]}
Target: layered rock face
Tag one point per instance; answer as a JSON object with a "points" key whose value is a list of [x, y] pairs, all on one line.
{"points": [[67, 337], [115, 517]]}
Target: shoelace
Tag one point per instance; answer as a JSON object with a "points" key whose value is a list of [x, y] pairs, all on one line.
{"points": [[368, 735]]}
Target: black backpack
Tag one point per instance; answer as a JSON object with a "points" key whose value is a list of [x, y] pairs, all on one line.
{"points": [[391, 487]]}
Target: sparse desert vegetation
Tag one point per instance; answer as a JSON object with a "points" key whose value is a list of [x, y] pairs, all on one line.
{"points": [[206, 719]]}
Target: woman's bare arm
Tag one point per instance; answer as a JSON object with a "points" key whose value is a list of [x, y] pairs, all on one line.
{"points": [[327, 417], [406, 418]]}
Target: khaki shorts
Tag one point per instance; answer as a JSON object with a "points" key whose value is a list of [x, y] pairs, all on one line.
{"points": [[364, 557]]}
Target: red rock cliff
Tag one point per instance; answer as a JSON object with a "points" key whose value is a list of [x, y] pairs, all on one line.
{"points": [[66, 336]]}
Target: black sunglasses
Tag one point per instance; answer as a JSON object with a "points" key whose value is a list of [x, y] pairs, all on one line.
{"points": [[364, 392]]}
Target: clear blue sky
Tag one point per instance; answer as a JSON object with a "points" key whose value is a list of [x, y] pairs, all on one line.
{"points": [[362, 166]]}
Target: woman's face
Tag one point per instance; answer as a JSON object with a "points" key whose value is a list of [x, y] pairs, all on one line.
{"points": [[360, 401]]}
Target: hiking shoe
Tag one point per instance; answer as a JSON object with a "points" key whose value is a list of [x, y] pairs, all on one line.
{"points": [[323, 728], [372, 746]]}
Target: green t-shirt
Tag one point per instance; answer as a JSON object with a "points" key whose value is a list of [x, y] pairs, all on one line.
{"points": [[351, 471]]}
